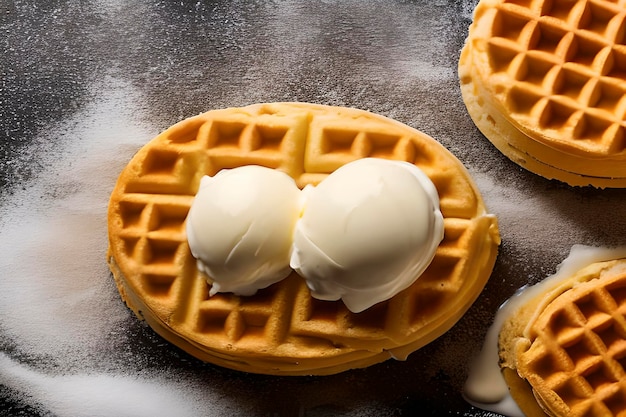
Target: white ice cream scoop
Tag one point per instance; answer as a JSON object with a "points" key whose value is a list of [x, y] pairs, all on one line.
{"points": [[367, 232], [240, 228]]}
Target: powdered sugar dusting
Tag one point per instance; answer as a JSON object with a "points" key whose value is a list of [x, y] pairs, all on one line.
{"points": [[561, 215], [56, 227], [58, 299], [100, 395]]}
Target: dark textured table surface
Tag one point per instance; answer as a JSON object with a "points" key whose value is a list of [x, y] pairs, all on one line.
{"points": [[86, 83]]}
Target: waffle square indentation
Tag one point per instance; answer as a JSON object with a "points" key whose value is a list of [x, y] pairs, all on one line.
{"points": [[185, 133], [549, 366], [595, 311], [596, 17], [267, 137], [573, 391], [559, 9], [131, 213], [159, 251], [522, 101], [565, 323], [225, 133], [168, 218], [381, 144], [510, 22], [158, 284], [614, 339], [584, 50], [374, 317], [533, 69], [549, 38], [161, 162], [339, 141], [501, 55], [212, 320], [557, 114], [570, 82], [600, 377], [615, 402], [584, 355]]}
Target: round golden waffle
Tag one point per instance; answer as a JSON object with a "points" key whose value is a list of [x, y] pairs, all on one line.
{"points": [[545, 81], [282, 329], [564, 353]]}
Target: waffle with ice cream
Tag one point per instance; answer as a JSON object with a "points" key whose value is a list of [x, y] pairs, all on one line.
{"points": [[545, 82], [563, 350], [281, 328]]}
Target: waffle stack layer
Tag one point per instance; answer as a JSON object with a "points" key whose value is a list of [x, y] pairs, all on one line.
{"points": [[282, 329], [564, 352], [545, 82]]}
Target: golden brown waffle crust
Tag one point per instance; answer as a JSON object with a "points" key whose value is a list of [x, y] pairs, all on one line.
{"points": [[282, 330], [499, 73], [518, 339]]}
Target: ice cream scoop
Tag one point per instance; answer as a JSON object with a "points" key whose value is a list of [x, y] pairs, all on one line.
{"points": [[367, 232], [240, 228]]}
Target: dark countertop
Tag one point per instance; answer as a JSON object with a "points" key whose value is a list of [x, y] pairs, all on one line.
{"points": [[86, 83]]}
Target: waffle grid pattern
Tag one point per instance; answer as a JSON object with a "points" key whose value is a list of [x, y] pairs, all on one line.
{"points": [[149, 243], [560, 67], [579, 351]]}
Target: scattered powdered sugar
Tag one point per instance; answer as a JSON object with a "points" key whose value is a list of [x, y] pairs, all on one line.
{"points": [[547, 219], [99, 395], [466, 8], [58, 301], [525, 214], [53, 238]]}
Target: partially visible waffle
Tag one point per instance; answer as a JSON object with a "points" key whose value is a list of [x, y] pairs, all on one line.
{"points": [[282, 329], [545, 81], [569, 346]]}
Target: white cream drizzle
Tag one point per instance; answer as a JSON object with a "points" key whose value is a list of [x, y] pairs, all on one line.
{"points": [[485, 387]]}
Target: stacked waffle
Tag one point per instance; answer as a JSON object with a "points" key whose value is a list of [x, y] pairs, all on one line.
{"points": [[282, 329], [545, 83]]}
